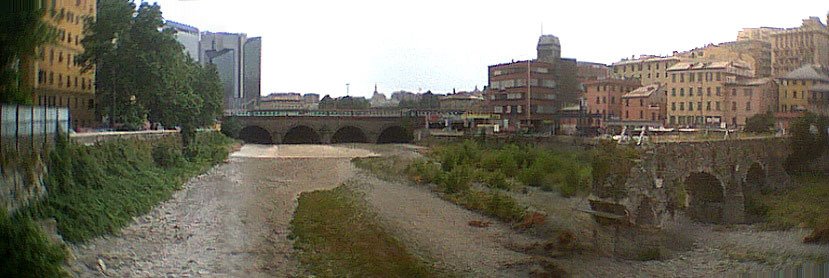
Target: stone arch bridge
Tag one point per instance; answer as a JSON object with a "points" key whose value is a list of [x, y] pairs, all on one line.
{"points": [[706, 181], [327, 128]]}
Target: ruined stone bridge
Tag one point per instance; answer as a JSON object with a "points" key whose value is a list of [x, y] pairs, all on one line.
{"points": [[706, 181], [327, 127]]}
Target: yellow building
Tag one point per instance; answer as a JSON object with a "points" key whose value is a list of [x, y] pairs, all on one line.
{"points": [[696, 91], [757, 53], [53, 75], [798, 88], [648, 69], [795, 47]]}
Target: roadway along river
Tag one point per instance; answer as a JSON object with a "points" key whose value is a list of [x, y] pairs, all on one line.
{"points": [[231, 221]]}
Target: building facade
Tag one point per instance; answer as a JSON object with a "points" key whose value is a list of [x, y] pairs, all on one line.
{"points": [[804, 89], [645, 105], [748, 97], [52, 75], [519, 102], [603, 99], [188, 36], [696, 94], [756, 53], [648, 69], [795, 47], [588, 71], [227, 52], [252, 69]]}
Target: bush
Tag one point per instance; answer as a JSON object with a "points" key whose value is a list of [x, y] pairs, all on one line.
{"points": [[422, 171], [167, 155], [808, 142], [26, 250], [760, 123], [457, 180], [231, 127], [491, 203], [649, 254], [496, 180], [611, 166]]}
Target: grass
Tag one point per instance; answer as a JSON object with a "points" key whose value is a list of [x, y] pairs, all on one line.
{"points": [[97, 190], [805, 205], [26, 250], [338, 237]]}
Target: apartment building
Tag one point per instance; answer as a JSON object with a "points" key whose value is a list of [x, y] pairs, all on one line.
{"points": [[696, 95]]}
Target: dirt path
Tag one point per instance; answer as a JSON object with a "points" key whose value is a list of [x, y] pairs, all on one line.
{"points": [[232, 221]]}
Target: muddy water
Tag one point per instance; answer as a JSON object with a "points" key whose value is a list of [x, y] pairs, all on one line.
{"points": [[232, 221]]}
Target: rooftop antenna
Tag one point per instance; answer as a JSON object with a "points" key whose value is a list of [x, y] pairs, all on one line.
{"points": [[542, 28]]}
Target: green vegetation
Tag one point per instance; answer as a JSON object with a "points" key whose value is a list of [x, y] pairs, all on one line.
{"points": [[808, 143], [649, 254], [161, 84], [26, 251], [804, 205], [346, 102], [24, 30], [98, 190], [611, 166], [565, 172], [760, 123], [338, 237]]}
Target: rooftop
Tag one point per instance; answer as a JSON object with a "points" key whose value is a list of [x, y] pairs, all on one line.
{"points": [[750, 82], [809, 72], [820, 88], [645, 91], [697, 65]]}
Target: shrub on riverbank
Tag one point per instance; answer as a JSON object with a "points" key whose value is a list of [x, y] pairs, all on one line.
{"points": [[805, 205], [337, 236], [26, 251], [96, 190]]}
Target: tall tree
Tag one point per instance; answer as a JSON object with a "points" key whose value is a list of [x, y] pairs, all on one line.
{"points": [[160, 84], [22, 32]]}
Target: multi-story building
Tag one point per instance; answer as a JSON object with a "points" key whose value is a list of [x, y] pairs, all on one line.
{"points": [[227, 52], [696, 95], [645, 105], [52, 75], [795, 47], [589, 71], [462, 101], [748, 97], [288, 101], [521, 103], [648, 69], [603, 99], [188, 36], [760, 34], [755, 52], [804, 89], [252, 69]]}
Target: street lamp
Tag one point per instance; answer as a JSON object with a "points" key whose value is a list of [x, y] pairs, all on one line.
{"points": [[347, 88]]}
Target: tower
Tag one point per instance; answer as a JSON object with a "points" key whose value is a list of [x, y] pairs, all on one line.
{"points": [[548, 49]]}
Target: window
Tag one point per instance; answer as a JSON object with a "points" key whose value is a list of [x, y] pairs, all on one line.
{"points": [[794, 94], [498, 109], [653, 116], [641, 102], [719, 91], [681, 106], [719, 76], [699, 105], [708, 106], [641, 114], [627, 114], [748, 106], [734, 105], [90, 104], [51, 77], [682, 92], [691, 91], [690, 106], [673, 92], [673, 77], [672, 120], [747, 92], [604, 99], [708, 91], [718, 106], [627, 102], [691, 77], [699, 91], [612, 100], [519, 109], [681, 77], [699, 77], [734, 92], [597, 100], [657, 74], [673, 106]]}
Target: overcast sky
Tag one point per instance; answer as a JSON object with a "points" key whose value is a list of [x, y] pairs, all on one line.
{"points": [[319, 46]]}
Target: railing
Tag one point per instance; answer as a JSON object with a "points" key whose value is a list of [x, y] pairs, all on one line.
{"points": [[28, 128], [345, 113]]}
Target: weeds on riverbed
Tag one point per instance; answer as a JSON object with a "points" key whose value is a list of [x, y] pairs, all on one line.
{"points": [[338, 237], [805, 205], [26, 251], [96, 190]]}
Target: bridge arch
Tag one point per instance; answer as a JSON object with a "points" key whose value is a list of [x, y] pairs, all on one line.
{"points": [[301, 134], [395, 134], [707, 196], [255, 135], [349, 134]]}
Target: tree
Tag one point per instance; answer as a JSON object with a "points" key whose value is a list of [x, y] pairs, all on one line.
{"points": [[760, 122], [23, 32], [161, 83], [808, 142]]}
